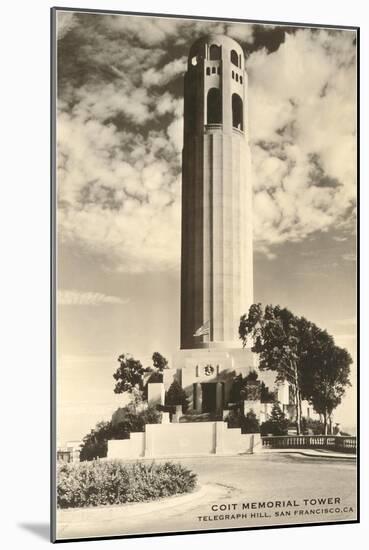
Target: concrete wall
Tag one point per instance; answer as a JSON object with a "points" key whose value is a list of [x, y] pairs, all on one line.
{"points": [[184, 439], [127, 448]]}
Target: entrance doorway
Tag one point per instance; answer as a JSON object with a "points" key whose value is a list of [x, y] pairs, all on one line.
{"points": [[209, 397]]}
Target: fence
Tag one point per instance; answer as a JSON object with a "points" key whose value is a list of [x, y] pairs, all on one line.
{"points": [[331, 442]]}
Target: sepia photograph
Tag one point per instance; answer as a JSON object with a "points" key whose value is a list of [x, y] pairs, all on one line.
{"points": [[205, 186]]}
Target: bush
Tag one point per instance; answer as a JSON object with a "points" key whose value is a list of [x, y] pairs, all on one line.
{"points": [[277, 424], [249, 388], [250, 424], [101, 483], [267, 396], [95, 443], [176, 395], [308, 426], [125, 420], [128, 419]]}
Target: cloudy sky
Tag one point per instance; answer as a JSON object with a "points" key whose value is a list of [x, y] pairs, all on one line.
{"points": [[119, 129]]}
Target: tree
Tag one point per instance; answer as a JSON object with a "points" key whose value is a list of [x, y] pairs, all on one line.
{"points": [[95, 443], [159, 361], [300, 353], [128, 419], [245, 388], [277, 424], [275, 336], [326, 378], [266, 396], [176, 395], [124, 421], [129, 375]]}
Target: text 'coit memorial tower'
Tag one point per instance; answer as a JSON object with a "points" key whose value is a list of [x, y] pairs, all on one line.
{"points": [[217, 262]]}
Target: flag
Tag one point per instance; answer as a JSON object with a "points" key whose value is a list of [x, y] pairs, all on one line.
{"points": [[204, 329]]}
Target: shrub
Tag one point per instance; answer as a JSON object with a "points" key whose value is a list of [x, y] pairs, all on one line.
{"points": [[176, 395], [250, 423], [95, 443], [308, 425], [101, 483], [234, 418], [267, 396], [247, 387], [277, 424], [125, 420], [128, 419]]}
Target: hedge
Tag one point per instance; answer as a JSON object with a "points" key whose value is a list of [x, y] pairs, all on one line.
{"points": [[101, 483]]}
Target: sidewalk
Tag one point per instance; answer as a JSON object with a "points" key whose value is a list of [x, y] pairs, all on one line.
{"points": [[317, 453], [120, 518]]}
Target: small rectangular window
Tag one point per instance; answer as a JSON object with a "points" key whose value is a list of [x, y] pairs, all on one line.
{"points": [[233, 74], [236, 77], [241, 79], [213, 70], [207, 70]]}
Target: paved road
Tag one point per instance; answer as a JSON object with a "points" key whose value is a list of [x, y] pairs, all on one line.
{"points": [[265, 489]]}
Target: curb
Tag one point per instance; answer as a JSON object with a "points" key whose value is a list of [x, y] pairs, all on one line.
{"points": [[311, 454], [130, 509]]}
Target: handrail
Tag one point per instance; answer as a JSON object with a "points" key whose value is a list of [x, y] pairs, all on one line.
{"points": [[334, 442]]}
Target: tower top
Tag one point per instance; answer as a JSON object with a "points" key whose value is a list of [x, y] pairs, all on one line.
{"points": [[217, 268], [216, 46]]}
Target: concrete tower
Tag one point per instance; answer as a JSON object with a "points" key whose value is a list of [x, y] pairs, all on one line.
{"points": [[217, 260]]}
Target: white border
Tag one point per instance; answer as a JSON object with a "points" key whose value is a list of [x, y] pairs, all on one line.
{"points": [[25, 268]]}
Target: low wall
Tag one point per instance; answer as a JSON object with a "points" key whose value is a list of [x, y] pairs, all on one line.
{"points": [[184, 439], [333, 442], [127, 448]]}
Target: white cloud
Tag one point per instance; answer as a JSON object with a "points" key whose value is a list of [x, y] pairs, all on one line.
{"points": [[65, 21], [240, 31], [121, 204], [162, 75], [79, 298], [120, 138], [349, 257], [302, 131]]}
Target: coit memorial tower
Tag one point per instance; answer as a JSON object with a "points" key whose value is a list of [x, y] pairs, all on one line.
{"points": [[217, 258]]}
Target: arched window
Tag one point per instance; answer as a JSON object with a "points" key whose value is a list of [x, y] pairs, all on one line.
{"points": [[215, 52], [208, 70], [214, 106], [234, 58], [237, 112]]}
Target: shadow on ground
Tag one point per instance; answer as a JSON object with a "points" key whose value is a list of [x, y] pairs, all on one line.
{"points": [[42, 530]]}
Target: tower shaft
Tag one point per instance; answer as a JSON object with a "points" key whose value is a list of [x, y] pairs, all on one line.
{"points": [[217, 263]]}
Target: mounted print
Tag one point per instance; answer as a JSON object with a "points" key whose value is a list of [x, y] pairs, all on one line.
{"points": [[204, 370]]}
